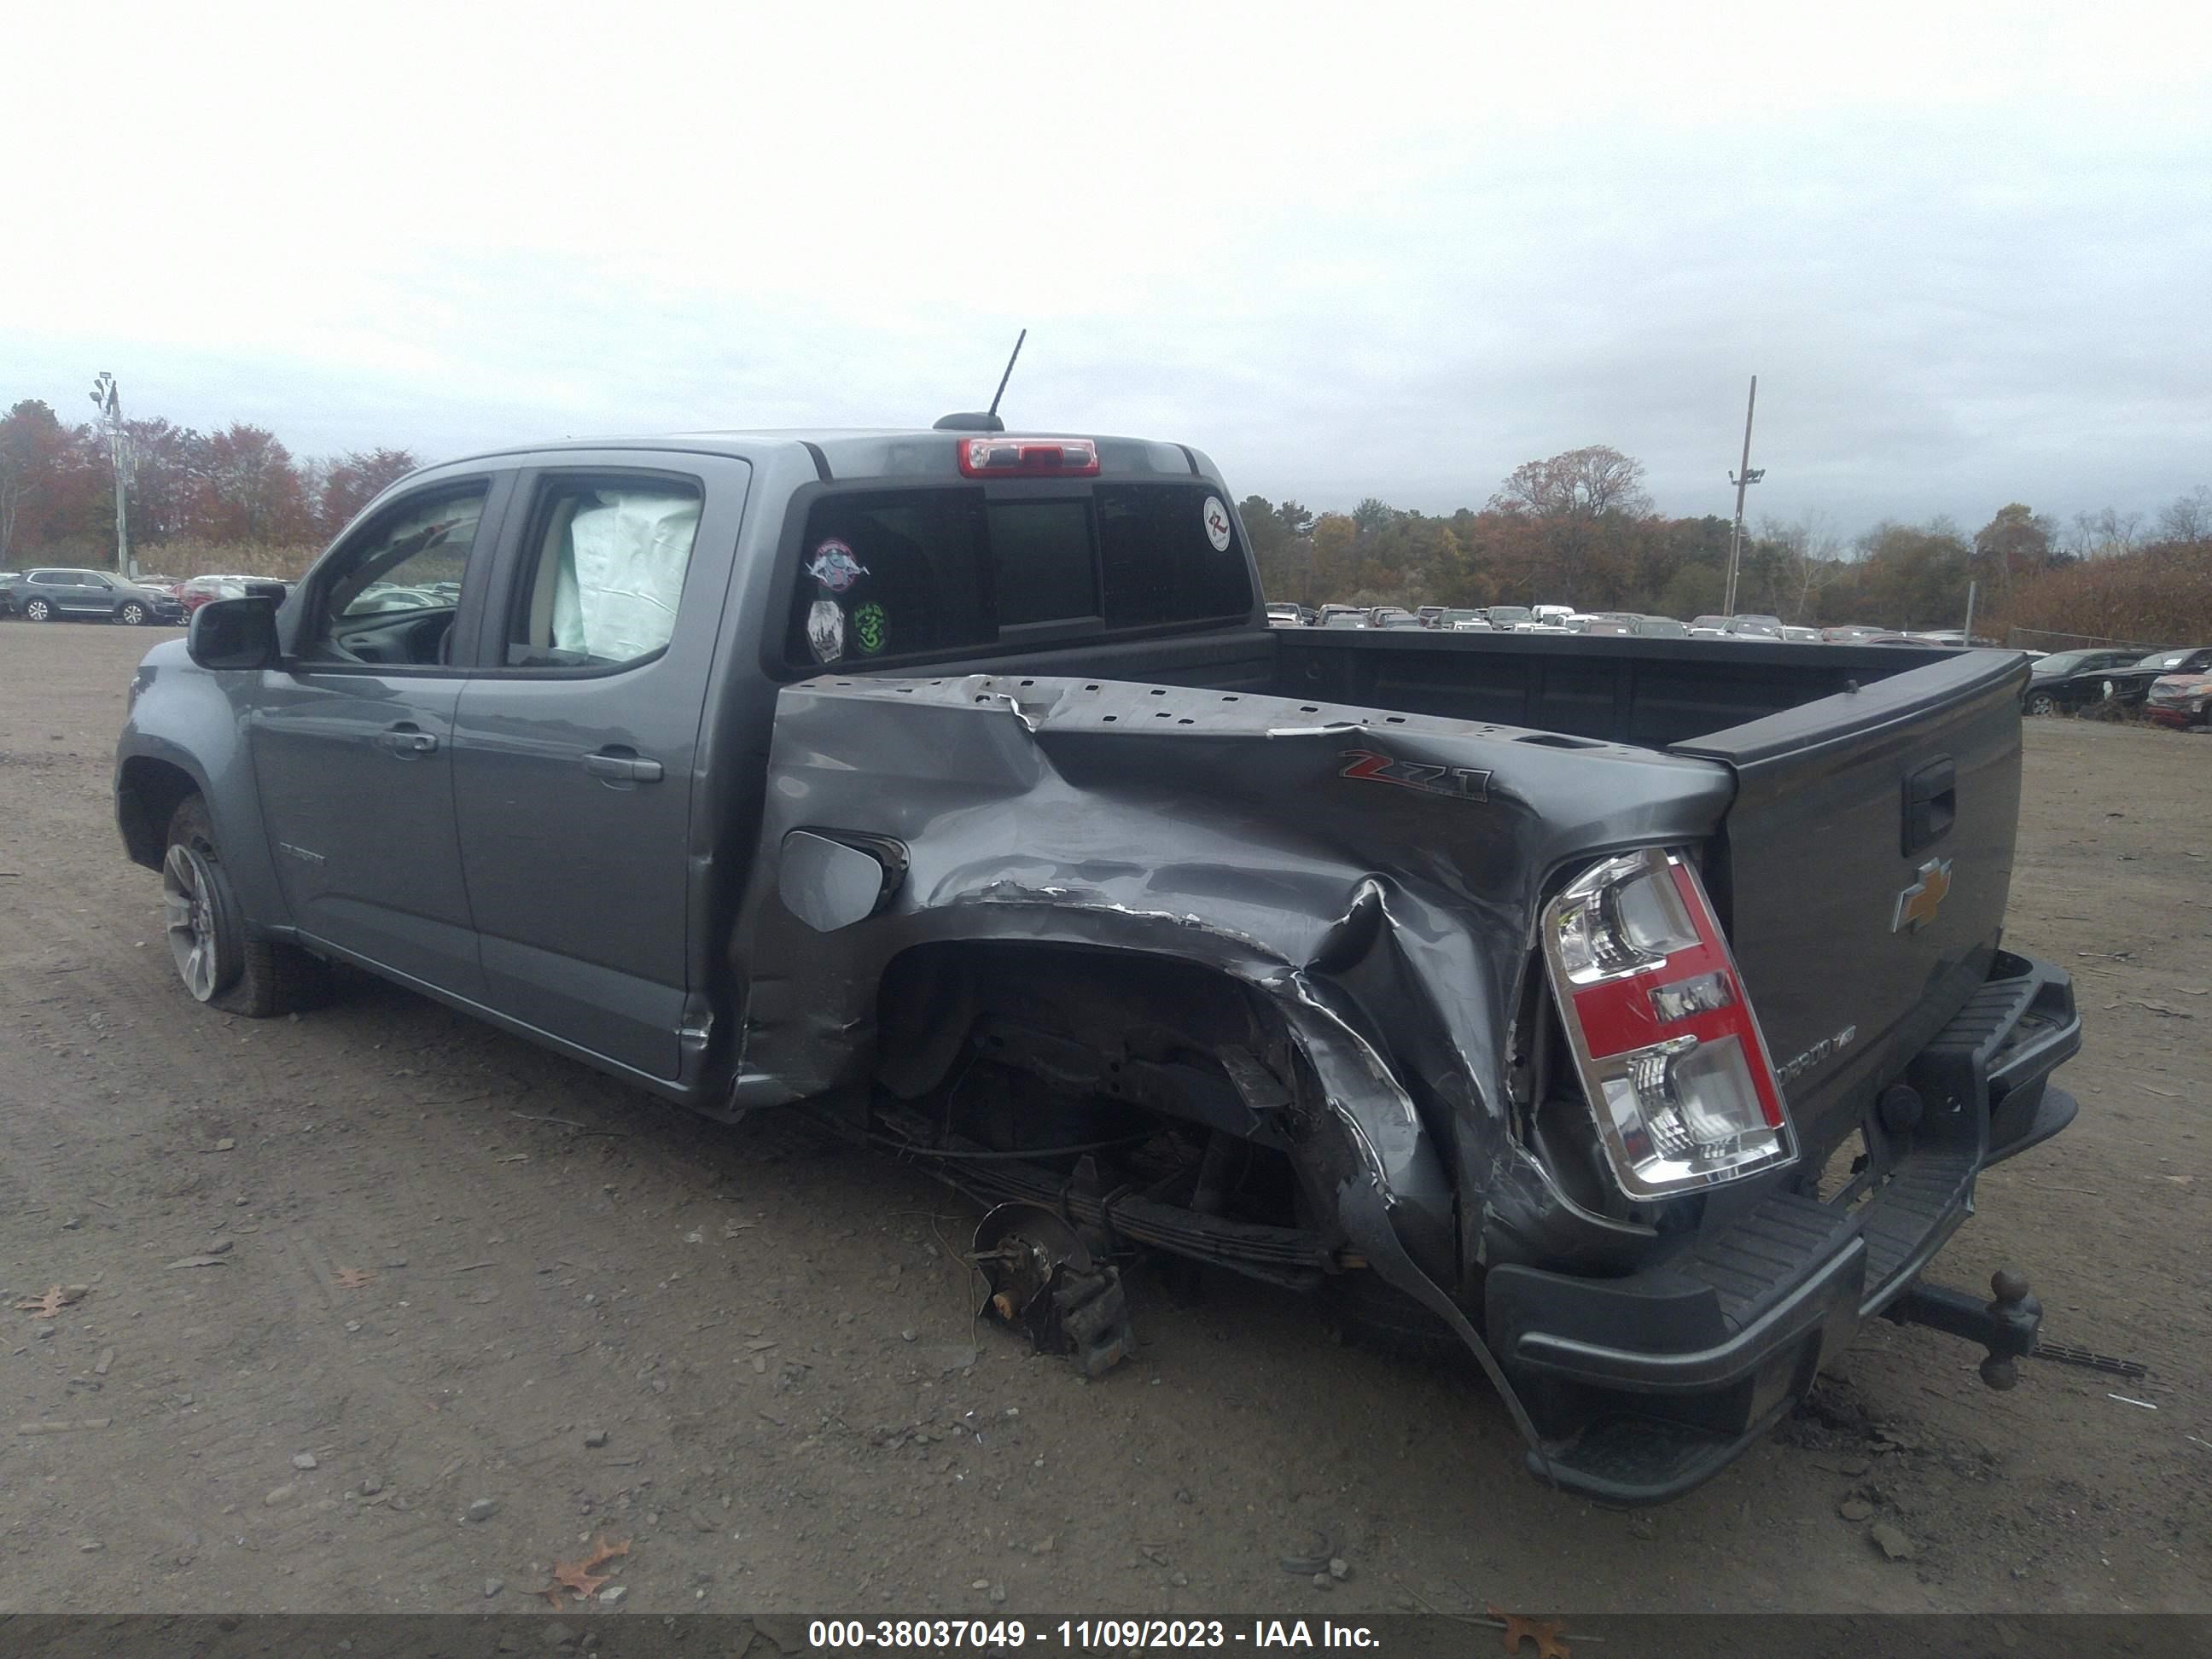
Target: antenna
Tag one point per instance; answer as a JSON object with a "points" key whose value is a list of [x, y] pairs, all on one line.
{"points": [[987, 420], [1008, 375]]}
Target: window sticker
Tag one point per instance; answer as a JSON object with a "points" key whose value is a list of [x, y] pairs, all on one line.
{"points": [[825, 630], [833, 566], [871, 628], [1217, 524]]}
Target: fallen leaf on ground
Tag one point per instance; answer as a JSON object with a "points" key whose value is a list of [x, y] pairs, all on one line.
{"points": [[582, 1576], [352, 1279], [1519, 1627], [54, 1299]]}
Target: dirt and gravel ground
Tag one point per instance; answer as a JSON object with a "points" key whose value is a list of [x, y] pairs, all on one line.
{"points": [[439, 1266]]}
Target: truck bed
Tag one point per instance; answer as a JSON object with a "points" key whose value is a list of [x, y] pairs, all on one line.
{"points": [[1653, 693], [1859, 772]]}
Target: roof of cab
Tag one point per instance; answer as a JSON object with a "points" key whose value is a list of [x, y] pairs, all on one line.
{"points": [[870, 452]]}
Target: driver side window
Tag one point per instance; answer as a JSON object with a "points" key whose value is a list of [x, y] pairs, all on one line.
{"points": [[391, 598]]}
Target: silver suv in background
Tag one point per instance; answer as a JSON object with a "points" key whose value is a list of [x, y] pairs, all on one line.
{"points": [[51, 592]]}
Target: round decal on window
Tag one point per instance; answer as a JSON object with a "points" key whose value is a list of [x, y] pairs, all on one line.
{"points": [[825, 630], [1217, 524], [833, 566], [871, 628]]}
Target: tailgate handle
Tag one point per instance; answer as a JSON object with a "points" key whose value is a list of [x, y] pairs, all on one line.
{"points": [[1932, 805]]}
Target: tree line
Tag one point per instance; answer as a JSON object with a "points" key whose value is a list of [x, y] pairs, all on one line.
{"points": [[1578, 528], [238, 486]]}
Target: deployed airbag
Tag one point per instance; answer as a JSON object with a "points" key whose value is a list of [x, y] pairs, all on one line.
{"points": [[622, 572]]}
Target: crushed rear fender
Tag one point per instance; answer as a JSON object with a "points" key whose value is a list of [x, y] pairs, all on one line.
{"points": [[1371, 876]]}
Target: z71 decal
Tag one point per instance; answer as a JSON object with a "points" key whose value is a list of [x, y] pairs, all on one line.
{"points": [[1459, 782]]}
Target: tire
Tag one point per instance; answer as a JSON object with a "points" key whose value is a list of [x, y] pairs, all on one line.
{"points": [[39, 610], [2042, 702], [132, 614], [219, 962]]}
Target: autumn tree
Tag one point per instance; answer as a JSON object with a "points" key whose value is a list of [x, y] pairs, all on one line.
{"points": [[349, 483], [51, 494], [1915, 575], [2014, 544], [1585, 483], [249, 489]]}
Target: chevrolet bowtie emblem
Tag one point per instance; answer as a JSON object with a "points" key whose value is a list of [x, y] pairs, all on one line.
{"points": [[1917, 903]]}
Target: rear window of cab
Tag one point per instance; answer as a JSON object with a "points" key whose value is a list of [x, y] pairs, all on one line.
{"points": [[895, 575]]}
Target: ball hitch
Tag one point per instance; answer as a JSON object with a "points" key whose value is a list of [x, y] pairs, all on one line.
{"points": [[2006, 1325]]}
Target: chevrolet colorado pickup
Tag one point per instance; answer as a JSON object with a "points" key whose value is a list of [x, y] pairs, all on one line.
{"points": [[1632, 1013]]}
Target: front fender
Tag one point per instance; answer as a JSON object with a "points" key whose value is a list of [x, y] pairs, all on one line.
{"points": [[187, 727]]}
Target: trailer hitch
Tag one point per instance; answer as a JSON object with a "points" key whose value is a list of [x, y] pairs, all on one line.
{"points": [[2006, 1326]]}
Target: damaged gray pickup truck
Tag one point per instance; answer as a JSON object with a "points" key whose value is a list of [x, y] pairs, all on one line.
{"points": [[1631, 1014]]}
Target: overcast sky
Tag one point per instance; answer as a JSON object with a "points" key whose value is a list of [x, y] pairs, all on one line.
{"points": [[1349, 250]]}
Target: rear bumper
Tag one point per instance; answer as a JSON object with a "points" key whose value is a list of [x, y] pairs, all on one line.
{"points": [[1645, 1386]]}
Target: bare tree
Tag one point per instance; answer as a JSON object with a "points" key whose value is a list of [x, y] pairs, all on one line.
{"points": [[1581, 483], [1809, 554], [2188, 517], [2104, 532]]}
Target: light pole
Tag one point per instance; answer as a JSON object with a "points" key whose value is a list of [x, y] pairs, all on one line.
{"points": [[108, 399], [1742, 482]]}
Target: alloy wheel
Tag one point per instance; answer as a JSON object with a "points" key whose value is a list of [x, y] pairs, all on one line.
{"points": [[188, 907]]}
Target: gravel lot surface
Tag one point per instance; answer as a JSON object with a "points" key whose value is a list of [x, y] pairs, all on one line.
{"points": [[386, 1310]]}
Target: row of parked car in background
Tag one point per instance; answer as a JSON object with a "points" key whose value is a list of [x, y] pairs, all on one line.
{"points": [[1566, 619], [60, 593], [2172, 686]]}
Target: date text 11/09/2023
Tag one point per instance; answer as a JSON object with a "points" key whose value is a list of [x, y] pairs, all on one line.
{"points": [[1084, 1634]]}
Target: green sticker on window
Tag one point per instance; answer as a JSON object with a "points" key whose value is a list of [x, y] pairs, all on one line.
{"points": [[870, 627]]}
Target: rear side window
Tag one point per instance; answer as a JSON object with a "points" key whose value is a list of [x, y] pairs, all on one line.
{"points": [[890, 575], [605, 571], [1170, 555]]}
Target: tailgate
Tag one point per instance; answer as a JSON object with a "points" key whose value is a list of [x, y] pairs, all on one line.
{"points": [[1863, 869]]}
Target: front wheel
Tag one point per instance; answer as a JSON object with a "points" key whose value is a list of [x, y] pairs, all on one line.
{"points": [[220, 964], [2042, 702], [39, 610], [132, 614]]}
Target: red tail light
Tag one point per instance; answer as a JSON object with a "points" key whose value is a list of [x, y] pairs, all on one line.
{"points": [[1001, 457], [1671, 1058]]}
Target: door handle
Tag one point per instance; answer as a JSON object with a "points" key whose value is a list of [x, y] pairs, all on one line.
{"points": [[405, 740], [618, 767]]}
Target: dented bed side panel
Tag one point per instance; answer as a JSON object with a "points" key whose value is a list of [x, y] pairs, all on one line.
{"points": [[1372, 876]]}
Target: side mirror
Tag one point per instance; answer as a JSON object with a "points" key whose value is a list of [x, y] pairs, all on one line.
{"points": [[233, 634]]}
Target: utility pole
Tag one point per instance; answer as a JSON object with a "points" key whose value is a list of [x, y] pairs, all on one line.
{"points": [[1742, 481], [108, 399]]}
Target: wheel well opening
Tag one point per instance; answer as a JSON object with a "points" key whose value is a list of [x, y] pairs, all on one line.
{"points": [[1065, 1057], [146, 797]]}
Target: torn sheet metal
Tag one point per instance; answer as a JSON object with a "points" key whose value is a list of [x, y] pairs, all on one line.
{"points": [[1386, 920]]}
